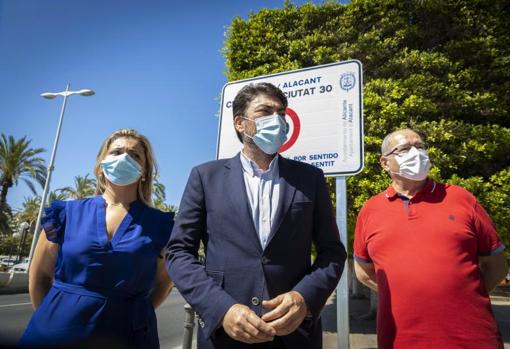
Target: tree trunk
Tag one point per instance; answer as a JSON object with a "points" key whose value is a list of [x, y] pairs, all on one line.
{"points": [[3, 195]]}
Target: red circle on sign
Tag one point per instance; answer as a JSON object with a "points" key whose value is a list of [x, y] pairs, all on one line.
{"points": [[295, 132]]}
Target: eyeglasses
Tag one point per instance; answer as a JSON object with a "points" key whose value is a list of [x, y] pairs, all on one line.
{"points": [[402, 149]]}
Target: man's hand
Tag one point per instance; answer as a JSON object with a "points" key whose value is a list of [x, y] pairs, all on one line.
{"points": [[242, 324], [288, 312]]}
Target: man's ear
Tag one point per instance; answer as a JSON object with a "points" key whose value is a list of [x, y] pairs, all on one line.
{"points": [[238, 124], [383, 161]]}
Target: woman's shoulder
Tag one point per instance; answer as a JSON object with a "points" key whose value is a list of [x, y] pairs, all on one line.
{"points": [[162, 215], [83, 203], [163, 222]]}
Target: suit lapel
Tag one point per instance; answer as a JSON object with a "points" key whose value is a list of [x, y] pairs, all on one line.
{"points": [[288, 180], [239, 199]]}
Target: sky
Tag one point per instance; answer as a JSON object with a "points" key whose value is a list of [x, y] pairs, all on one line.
{"points": [[156, 66]]}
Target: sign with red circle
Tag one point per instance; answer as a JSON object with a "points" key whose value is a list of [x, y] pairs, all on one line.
{"points": [[324, 114], [295, 130]]}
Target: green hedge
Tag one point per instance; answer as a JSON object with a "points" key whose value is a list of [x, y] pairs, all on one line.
{"points": [[441, 67]]}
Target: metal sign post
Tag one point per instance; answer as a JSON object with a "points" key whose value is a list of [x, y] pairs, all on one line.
{"points": [[325, 117], [342, 289]]}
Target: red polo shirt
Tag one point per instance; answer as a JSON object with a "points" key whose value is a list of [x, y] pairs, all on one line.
{"points": [[425, 253]]}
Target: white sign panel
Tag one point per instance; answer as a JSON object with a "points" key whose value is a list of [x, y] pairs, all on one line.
{"points": [[324, 114]]}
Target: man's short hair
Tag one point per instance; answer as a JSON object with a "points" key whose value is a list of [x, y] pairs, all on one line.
{"points": [[385, 146], [249, 93]]}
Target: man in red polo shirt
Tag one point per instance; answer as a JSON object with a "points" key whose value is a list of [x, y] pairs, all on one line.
{"points": [[432, 254]]}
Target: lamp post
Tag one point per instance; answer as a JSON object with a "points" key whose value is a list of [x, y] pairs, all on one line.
{"points": [[24, 226], [51, 95]]}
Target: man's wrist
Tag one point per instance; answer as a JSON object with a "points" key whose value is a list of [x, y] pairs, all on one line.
{"points": [[302, 301]]}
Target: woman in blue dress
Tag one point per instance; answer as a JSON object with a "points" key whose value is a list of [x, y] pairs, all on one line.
{"points": [[98, 270]]}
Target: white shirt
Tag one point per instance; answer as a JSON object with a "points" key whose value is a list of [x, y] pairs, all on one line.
{"points": [[263, 191]]}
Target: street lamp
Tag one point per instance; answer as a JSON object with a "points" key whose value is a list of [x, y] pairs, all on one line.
{"points": [[23, 227], [51, 95]]}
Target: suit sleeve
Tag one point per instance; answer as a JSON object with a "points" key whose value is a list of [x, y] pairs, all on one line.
{"points": [[325, 273], [206, 297]]}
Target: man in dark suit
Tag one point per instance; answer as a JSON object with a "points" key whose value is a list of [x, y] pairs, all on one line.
{"points": [[258, 215]]}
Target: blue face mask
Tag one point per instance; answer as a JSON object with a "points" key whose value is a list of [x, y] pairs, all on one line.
{"points": [[271, 133], [121, 169]]}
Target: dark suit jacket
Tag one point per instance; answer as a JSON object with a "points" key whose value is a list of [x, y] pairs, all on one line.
{"points": [[215, 209]]}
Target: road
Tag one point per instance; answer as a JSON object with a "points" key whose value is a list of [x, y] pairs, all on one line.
{"points": [[15, 311]]}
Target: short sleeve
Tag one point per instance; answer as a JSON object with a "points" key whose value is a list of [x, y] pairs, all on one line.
{"points": [[166, 225], [54, 221], [487, 237], [360, 246]]}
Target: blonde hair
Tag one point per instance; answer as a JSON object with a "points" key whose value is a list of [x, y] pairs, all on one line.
{"points": [[150, 169]]}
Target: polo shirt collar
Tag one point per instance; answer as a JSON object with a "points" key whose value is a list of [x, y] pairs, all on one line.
{"points": [[429, 188]]}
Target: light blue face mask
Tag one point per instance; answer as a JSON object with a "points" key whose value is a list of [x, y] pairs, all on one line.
{"points": [[271, 133], [121, 169]]}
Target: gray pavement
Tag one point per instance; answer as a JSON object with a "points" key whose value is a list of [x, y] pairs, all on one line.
{"points": [[15, 311], [363, 331]]}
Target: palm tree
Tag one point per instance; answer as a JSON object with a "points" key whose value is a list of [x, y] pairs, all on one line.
{"points": [[28, 212], [83, 187], [159, 197], [163, 206], [29, 209], [19, 161], [5, 218], [158, 192], [56, 195]]}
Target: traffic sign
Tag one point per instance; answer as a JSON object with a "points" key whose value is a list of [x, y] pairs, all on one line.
{"points": [[325, 115]]}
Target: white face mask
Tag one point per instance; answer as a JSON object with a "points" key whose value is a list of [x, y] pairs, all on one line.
{"points": [[271, 133], [414, 164], [121, 169]]}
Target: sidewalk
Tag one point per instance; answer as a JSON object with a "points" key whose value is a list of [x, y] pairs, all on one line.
{"points": [[363, 331]]}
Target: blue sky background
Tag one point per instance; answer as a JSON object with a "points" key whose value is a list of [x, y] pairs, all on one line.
{"points": [[155, 66]]}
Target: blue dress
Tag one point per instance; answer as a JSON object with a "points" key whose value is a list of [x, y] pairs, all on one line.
{"points": [[99, 297]]}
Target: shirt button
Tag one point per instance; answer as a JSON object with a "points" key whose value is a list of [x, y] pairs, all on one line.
{"points": [[255, 301]]}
